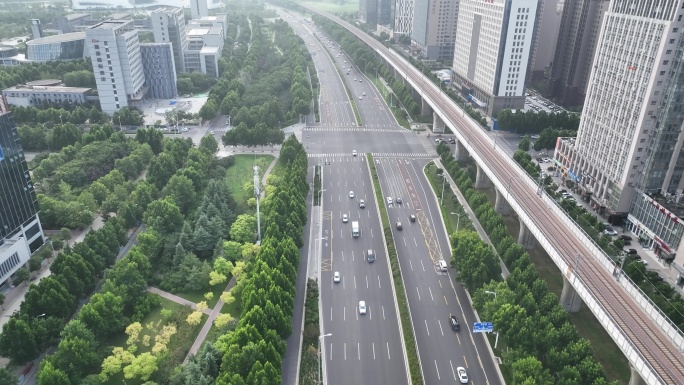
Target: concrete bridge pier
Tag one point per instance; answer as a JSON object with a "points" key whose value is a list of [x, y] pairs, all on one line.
{"points": [[501, 206], [525, 237], [460, 152], [571, 301], [481, 180], [437, 122], [635, 377]]}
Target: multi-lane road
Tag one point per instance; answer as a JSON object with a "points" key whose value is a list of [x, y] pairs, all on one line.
{"points": [[368, 349], [649, 348]]}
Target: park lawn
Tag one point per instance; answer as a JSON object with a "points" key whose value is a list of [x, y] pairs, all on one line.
{"points": [[352, 6], [197, 296], [241, 173], [177, 348]]}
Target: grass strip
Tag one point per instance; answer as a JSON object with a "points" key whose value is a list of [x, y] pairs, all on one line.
{"points": [[309, 365], [449, 204], [404, 315]]}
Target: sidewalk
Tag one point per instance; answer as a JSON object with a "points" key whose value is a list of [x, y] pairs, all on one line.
{"points": [[471, 215], [15, 296], [176, 299], [208, 324]]}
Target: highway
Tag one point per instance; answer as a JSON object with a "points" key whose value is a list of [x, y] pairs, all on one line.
{"points": [[432, 295], [658, 354]]}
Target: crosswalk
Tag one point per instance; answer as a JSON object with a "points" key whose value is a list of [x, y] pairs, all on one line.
{"points": [[374, 154], [355, 129]]}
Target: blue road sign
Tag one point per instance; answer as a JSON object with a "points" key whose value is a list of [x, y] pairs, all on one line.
{"points": [[483, 327]]}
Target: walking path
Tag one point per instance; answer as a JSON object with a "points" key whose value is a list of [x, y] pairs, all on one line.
{"points": [[471, 215], [207, 325], [176, 299]]}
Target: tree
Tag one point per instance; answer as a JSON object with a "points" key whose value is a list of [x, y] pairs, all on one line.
{"points": [[103, 314], [525, 144], [243, 229], [6, 377], [164, 216], [209, 144], [208, 110], [529, 370], [49, 297], [49, 375], [76, 354], [142, 367], [21, 275], [17, 341], [182, 191]]}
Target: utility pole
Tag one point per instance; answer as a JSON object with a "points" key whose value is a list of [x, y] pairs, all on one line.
{"points": [[257, 195]]}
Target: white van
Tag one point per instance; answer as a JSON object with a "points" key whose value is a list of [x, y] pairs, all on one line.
{"points": [[442, 265]]}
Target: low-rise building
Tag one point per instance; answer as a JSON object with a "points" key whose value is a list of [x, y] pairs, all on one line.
{"points": [[67, 46], [26, 95], [204, 50]]}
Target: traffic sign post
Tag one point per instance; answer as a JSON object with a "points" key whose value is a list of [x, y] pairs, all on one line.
{"points": [[483, 327]]}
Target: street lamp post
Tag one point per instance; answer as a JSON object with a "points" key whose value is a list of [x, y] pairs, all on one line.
{"points": [[491, 292], [458, 221], [320, 368], [496, 341], [441, 200]]}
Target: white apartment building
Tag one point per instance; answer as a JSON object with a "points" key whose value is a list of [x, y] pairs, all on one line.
{"points": [[168, 26], [493, 42], [434, 28], [204, 50], [199, 8], [628, 155], [114, 50], [28, 95], [403, 17]]}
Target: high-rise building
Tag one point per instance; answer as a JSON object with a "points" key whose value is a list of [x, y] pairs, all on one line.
{"points": [[114, 50], [386, 13], [36, 29], [434, 28], [628, 149], [168, 26], [199, 8], [579, 30], [160, 70], [493, 42], [544, 38], [368, 13], [20, 230], [403, 17]]}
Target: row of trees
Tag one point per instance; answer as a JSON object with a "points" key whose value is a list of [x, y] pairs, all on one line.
{"points": [[532, 122], [76, 114], [11, 76], [49, 304], [554, 353], [252, 353], [548, 137]]}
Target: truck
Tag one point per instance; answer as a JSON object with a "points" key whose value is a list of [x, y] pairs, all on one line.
{"points": [[355, 229]]}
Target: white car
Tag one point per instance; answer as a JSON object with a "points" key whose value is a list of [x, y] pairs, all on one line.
{"points": [[351, 194], [336, 277], [354, 153], [462, 375], [610, 231], [360, 97], [362, 307], [345, 219], [389, 200]]}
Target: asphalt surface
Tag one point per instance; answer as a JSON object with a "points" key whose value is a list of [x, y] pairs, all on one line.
{"points": [[365, 349], [659, 355]]}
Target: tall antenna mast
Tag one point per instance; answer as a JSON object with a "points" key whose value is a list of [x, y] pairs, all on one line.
{"points": [[257, 195]]}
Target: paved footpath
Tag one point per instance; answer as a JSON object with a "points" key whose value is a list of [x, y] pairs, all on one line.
{"points": [[176, 299], [207, 324]]}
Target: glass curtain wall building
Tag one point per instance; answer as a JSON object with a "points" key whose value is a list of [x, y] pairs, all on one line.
{"points": [[68, 46]]}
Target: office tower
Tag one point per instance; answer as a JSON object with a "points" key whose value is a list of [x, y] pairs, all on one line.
{"points": [[368, 13], [579, 30], [160, 70], [386, 13], [403, 17], [20, 230], [36, 29], [629, 143], [199, 8], [168, 26], [114, 50], [544, 39], [434, 28], [493, 42]]}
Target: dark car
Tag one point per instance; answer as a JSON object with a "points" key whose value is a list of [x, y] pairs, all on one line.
{"points": [[455, 326], [412, 218], [370, 256], [398, 200], [630, 251], [452, 140], [625, 237]]}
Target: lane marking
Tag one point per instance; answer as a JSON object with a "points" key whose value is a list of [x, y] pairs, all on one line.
{"points": [[440, 327], [366, 282], [431, 297], [373, 350], [427, 328], [345, 351], [445, 301], [383, 312], [379, 286], [452, 370], [437, 369], [358, 347], [388, 352], [418, 291], [421, 263], [411, 264], [354, 282]]}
